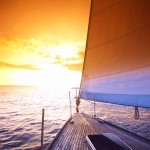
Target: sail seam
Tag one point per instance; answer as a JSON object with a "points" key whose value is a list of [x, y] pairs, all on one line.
{"points": [[120, 72], [100, 11], [110, 41]]}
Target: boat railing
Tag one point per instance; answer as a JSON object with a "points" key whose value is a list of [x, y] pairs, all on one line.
{"points": [[76, 92], [12, 134], [73, 95]]}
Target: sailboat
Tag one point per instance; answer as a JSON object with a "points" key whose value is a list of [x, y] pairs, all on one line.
{"points": [[116, 70]]}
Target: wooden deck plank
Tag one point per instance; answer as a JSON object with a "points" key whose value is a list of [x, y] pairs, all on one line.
{"points": [[73, 135]]}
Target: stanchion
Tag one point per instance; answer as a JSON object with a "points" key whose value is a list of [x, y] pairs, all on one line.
{"points": [[70, 108], [42, 129], [94, 109]]}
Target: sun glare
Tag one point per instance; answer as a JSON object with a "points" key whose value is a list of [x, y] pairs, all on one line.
{"points": [[63, 51], [66, 51], [47, 77], [42, 46]]}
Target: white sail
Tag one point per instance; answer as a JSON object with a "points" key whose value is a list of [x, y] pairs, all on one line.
{"points": [[117, 60]]}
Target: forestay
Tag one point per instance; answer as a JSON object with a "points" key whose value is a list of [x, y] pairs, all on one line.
{"points": [[117, 59]]}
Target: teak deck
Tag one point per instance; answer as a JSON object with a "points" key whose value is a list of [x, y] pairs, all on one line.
{"points": [[72, 136]]}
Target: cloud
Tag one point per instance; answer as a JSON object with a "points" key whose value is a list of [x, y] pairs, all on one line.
{"points": [[74, 67], [25, 66], [73, 63], [35, 52]]}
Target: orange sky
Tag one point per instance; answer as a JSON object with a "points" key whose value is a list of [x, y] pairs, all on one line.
{"points": [[42, 41]]}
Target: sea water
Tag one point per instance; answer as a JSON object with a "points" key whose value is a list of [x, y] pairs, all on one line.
{"points": [[21, 115]]}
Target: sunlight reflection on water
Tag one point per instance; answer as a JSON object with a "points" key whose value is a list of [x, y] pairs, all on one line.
{"points": [[21, 109]]}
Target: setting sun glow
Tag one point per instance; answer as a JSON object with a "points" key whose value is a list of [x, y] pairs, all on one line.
{"points": [[41, 45]]}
